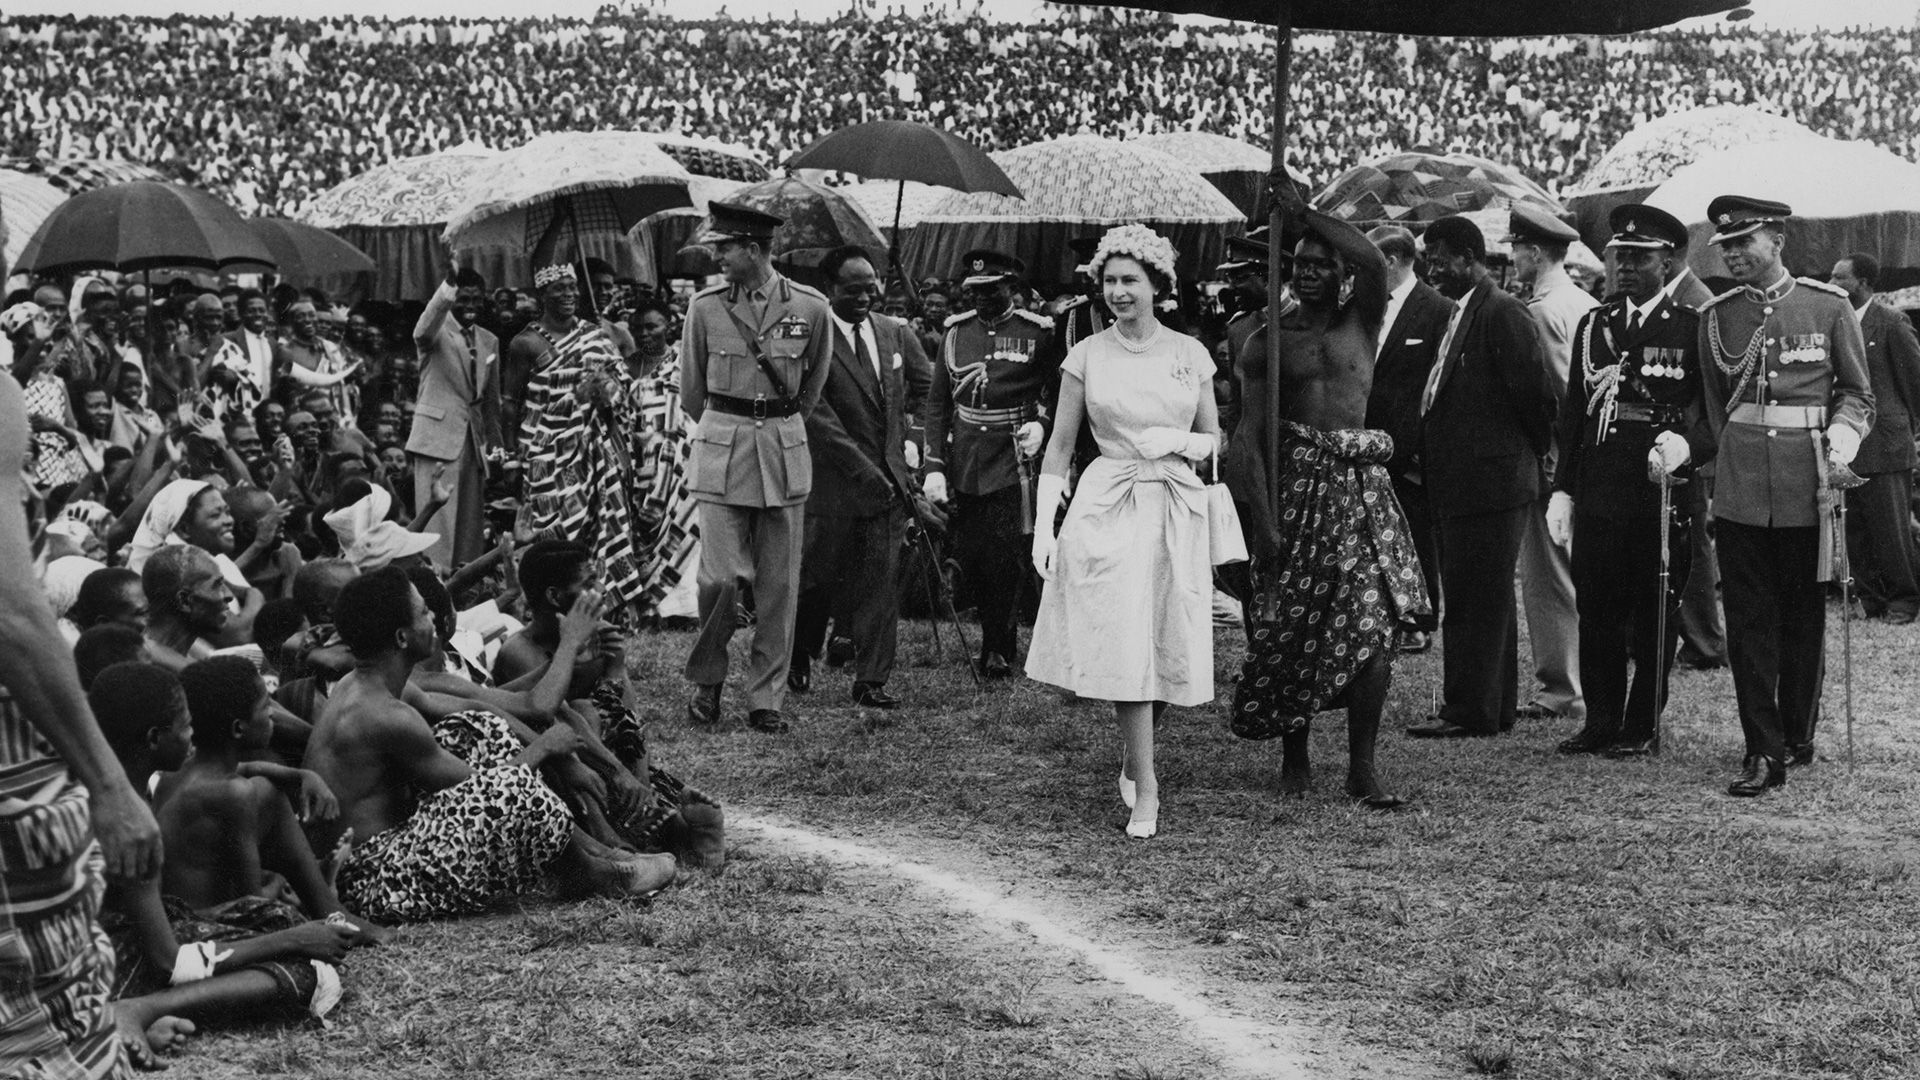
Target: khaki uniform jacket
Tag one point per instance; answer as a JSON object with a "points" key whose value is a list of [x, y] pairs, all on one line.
{"points": [[1810, 353], [740, 460]]}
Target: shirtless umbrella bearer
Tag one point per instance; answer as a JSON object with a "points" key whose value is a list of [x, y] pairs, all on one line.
{"points": [[1334, 568]]}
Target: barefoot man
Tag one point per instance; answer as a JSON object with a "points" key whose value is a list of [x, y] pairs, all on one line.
{"points": [[1334, 569], [482, 823]]}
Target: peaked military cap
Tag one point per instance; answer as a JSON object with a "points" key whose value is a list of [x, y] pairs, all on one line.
{"points": [[1534, 225], [1637, 225], [982, 267], [730, 221], [1734, 216], [1245, 253]]}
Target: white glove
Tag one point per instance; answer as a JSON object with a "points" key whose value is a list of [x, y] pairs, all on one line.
{"points": [[1669, 453], [1159, 442], [1560, 519], [1032, 437], [1842, 444], [1050, 491], [1199, 446], [911, 450], [934, 487]]}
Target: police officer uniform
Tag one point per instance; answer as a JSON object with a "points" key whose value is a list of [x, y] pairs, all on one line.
{"points": [[753, 362], [1783, 365], [1243, 336], [1635, 373], [990, 379]]}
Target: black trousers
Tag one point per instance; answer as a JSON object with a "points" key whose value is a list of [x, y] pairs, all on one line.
{"points": [[1777, 625], [850, 573], [994, 556], [1880, 543], [1616, 583], [1480, 632], [1701, 627], [1419, 515]]}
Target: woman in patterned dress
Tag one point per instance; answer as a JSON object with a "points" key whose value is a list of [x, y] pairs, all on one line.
{"points": [[669, 545], [1126, 613], [573, 435]]}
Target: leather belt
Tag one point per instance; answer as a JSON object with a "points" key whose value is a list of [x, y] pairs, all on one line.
{"points": [[1647, 412], [760, 408], [994, 417], [1809, 417]]}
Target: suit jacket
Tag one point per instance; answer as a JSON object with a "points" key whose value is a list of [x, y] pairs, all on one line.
{"points": [[1492, 416], [261, 366], [1408, 349], [1603, 456], [858, 434], [456, 411], [1893, 370], [738, 460], [1689, 291]]}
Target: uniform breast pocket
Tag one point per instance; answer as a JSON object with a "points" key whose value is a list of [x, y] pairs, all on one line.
{"points": [[708, 463], [797, 458], [730, 371]]}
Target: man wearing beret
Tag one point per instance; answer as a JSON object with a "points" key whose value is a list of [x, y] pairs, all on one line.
{"points": [[1486, 424], [986, 416], [1632, 412], [755, 355], [1787, 394], [1540, 243]]}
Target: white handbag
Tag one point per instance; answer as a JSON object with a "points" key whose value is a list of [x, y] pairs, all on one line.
{"points": [[1225, 542]]}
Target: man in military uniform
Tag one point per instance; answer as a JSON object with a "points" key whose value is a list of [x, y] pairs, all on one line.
{"points": [[1786, 391], [755, 355], [1540, 243], [986, 421], [1632, 410]]}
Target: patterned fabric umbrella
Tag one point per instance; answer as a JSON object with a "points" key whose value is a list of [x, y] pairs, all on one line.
{"points": [[602, 181], [25, 202], [704, 157], [1415, 188], [1651, 153], [1450, 18], [1238, 169], [818, 219], [75, 175], [423, 190], [1073, 186]]}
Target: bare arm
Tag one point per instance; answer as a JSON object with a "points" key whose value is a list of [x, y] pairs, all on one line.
{"points": [[38, 673]]}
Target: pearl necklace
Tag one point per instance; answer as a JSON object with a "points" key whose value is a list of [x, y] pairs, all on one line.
{"points": [[1130, 345]]}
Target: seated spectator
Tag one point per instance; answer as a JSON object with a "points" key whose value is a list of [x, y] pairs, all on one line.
{"points": [[111, 596], [450, 815], [195, 513], [368, 537], [268, 562], [278, 624], [103, 646], [187, 605]]}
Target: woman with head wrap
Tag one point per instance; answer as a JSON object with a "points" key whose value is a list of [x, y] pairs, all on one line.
{"points": [[194, 512]]}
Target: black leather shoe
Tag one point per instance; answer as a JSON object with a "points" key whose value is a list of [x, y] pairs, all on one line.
{"points": [[1800, 753], [1634, 748], [1436, 728], [1761, 773], [703, 708], [1899, 618], [995, 666], [1586, 741], [1534, 710], [800, 674], [839, 651], [771, 721], [874, 696], [1411, 641], [1694, 660]]}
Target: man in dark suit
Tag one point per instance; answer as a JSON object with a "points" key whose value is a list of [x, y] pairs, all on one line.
{"points": [[857, 514], [1879, 529], [1416, 320], [1486, 422], [1703, 631]]}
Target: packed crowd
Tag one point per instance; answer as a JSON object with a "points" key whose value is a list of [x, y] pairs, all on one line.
{"points": [[271, 112]]}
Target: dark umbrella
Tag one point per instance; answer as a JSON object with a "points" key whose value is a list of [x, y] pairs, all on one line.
{"points": [[307, 255], [1443, 18], [140, 226], [904, 150]]}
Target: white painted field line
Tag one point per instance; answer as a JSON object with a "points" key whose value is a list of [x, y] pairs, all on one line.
{"points": [[1246, 1047]]}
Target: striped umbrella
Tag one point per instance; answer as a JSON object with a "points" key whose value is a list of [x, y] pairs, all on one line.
{"points": [[1237, 168], [1075, 185], [1415, 188]]}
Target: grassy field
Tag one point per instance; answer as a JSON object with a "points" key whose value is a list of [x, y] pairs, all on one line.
{"points": [[1529, 916]]}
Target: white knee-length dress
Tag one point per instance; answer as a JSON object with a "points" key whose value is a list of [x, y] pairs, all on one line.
{"points": [[1128, 615]]}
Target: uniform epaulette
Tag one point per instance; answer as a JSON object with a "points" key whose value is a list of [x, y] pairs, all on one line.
{"points": [[1722, 296], [1044, 322], [808, 290], [1238, 315], [712, 290], [956, 320], [1824, 286]]}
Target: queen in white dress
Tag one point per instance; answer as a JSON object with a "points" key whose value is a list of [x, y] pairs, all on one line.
{"points": [[1126, 612]]}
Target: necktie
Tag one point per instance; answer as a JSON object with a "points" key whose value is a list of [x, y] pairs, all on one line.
{"points": [[1633, 322], [1440, 361], [865, 358]]}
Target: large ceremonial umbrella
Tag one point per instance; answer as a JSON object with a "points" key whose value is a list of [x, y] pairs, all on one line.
{"points": [[1238, 169], [1076, 186], [77, 175], [1846, 197], [661, 241], [396, 213], [1415, 188], [1650, 154], [307, 255], [705, 157], [818, 219], [593, 181], [138, 227], [25, 201]]}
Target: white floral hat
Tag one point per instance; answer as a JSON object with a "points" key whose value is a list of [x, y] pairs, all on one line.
{"points": [[1135, 242]]}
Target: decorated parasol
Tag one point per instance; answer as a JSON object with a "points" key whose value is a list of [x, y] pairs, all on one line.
{"points": [[594, 181], [1415, 188], [396, 212], [1074, 185], [706, 157], [25, 202], [1238, 169], [818, 219]]}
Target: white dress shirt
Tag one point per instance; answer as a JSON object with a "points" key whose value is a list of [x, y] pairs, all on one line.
{"points": [[864, 328], [1396, 299]]}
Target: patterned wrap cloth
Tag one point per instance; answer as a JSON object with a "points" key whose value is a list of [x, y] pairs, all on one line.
{"points": [[1344, 579], [580, 483], [490, 835], [666, 533], [294, 981]]}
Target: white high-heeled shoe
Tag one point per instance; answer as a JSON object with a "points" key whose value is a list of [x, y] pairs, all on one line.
{"points": [[1128, 791], [1144, 826]]}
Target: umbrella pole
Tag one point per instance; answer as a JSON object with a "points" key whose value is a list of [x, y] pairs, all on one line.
{"points": [[1277, 208], [580, 256], [893, 249]]}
